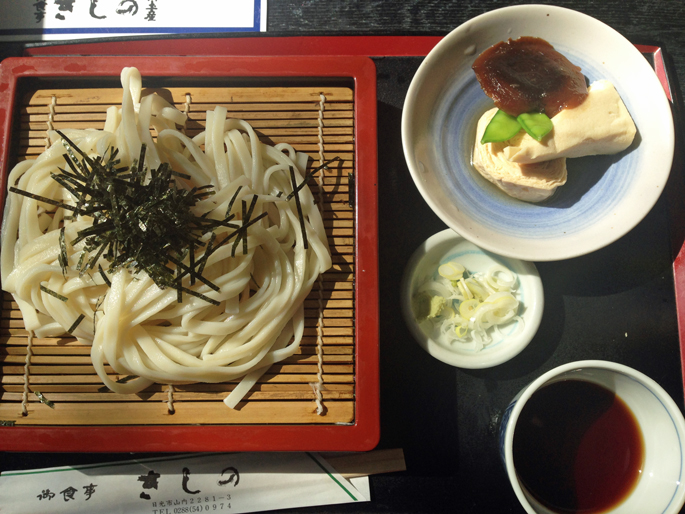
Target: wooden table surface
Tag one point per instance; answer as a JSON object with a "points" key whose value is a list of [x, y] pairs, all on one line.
{"points": [[446, 419]]}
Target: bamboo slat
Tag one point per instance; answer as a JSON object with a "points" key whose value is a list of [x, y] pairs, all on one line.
{"points": [[208, 96], [60, 367], [187, 413]]}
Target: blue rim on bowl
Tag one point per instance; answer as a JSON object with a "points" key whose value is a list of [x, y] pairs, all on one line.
{"points": [[448, 245], [605, 196]]}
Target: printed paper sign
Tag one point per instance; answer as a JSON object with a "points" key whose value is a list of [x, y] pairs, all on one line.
{"points": [[227, 483], [76, 19]]}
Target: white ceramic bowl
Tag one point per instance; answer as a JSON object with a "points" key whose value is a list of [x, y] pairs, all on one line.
{"points": [[605, 196], [445, 246], [661, 487]]}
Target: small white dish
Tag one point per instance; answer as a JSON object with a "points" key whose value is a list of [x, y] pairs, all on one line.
{"points": [[604, 197], [448, 245], [661, 487]]}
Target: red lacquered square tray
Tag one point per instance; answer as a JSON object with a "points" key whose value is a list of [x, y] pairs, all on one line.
{"points": [[280, 414]]}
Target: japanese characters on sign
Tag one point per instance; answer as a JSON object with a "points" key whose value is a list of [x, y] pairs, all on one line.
{"points": [[59, 19], [68, 493], [230, 483], [228, 476]]}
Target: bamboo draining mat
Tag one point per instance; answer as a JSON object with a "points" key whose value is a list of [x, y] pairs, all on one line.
{"points": [[61, 370]]}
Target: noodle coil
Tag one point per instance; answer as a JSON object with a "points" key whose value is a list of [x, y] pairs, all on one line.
{"points": [[135, 326]]}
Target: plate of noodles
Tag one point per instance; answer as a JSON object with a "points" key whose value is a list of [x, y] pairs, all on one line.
{"points": [[186, 255]]}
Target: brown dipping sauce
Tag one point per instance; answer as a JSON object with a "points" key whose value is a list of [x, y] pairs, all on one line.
{"points": [[528, 75], [577, 447]]}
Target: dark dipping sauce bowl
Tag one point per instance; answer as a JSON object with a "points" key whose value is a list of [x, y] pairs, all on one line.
{"points": [[594, 437]]}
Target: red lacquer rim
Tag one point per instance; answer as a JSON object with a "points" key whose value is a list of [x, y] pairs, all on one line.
{"points": [[365, 432], [263, 45]]}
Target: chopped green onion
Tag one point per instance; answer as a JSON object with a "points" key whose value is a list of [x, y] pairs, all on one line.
{"points": [[462, 311], [451, 270]]}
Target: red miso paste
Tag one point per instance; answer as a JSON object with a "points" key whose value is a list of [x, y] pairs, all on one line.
{"points": [[528, 75]]}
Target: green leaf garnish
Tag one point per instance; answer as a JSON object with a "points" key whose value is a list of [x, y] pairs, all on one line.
{"points": [[537, 124], [502, 127]]}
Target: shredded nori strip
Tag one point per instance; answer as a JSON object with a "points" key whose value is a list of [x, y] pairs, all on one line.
{"points": [[7, 422], [142, 220], [242, 231], [233, 199], [44, 400], [103, 274], [299, 208], [192, 262], [53, 293], [142, 223], [81, 258], [183, 270], [199, 295], [187, 177], [76, 323], [43, 199], [179, 290], [310, 175], [246, 219], [210, 243], [63, 258], [236, 232]]}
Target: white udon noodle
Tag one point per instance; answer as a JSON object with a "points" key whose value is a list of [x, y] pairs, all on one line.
{"points": [[136, 327]]}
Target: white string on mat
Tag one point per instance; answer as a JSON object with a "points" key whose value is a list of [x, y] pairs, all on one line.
{"points": [[50, 121], [186, 109], [27, 363], [318, 385], [170, 399], [27, 372]]}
